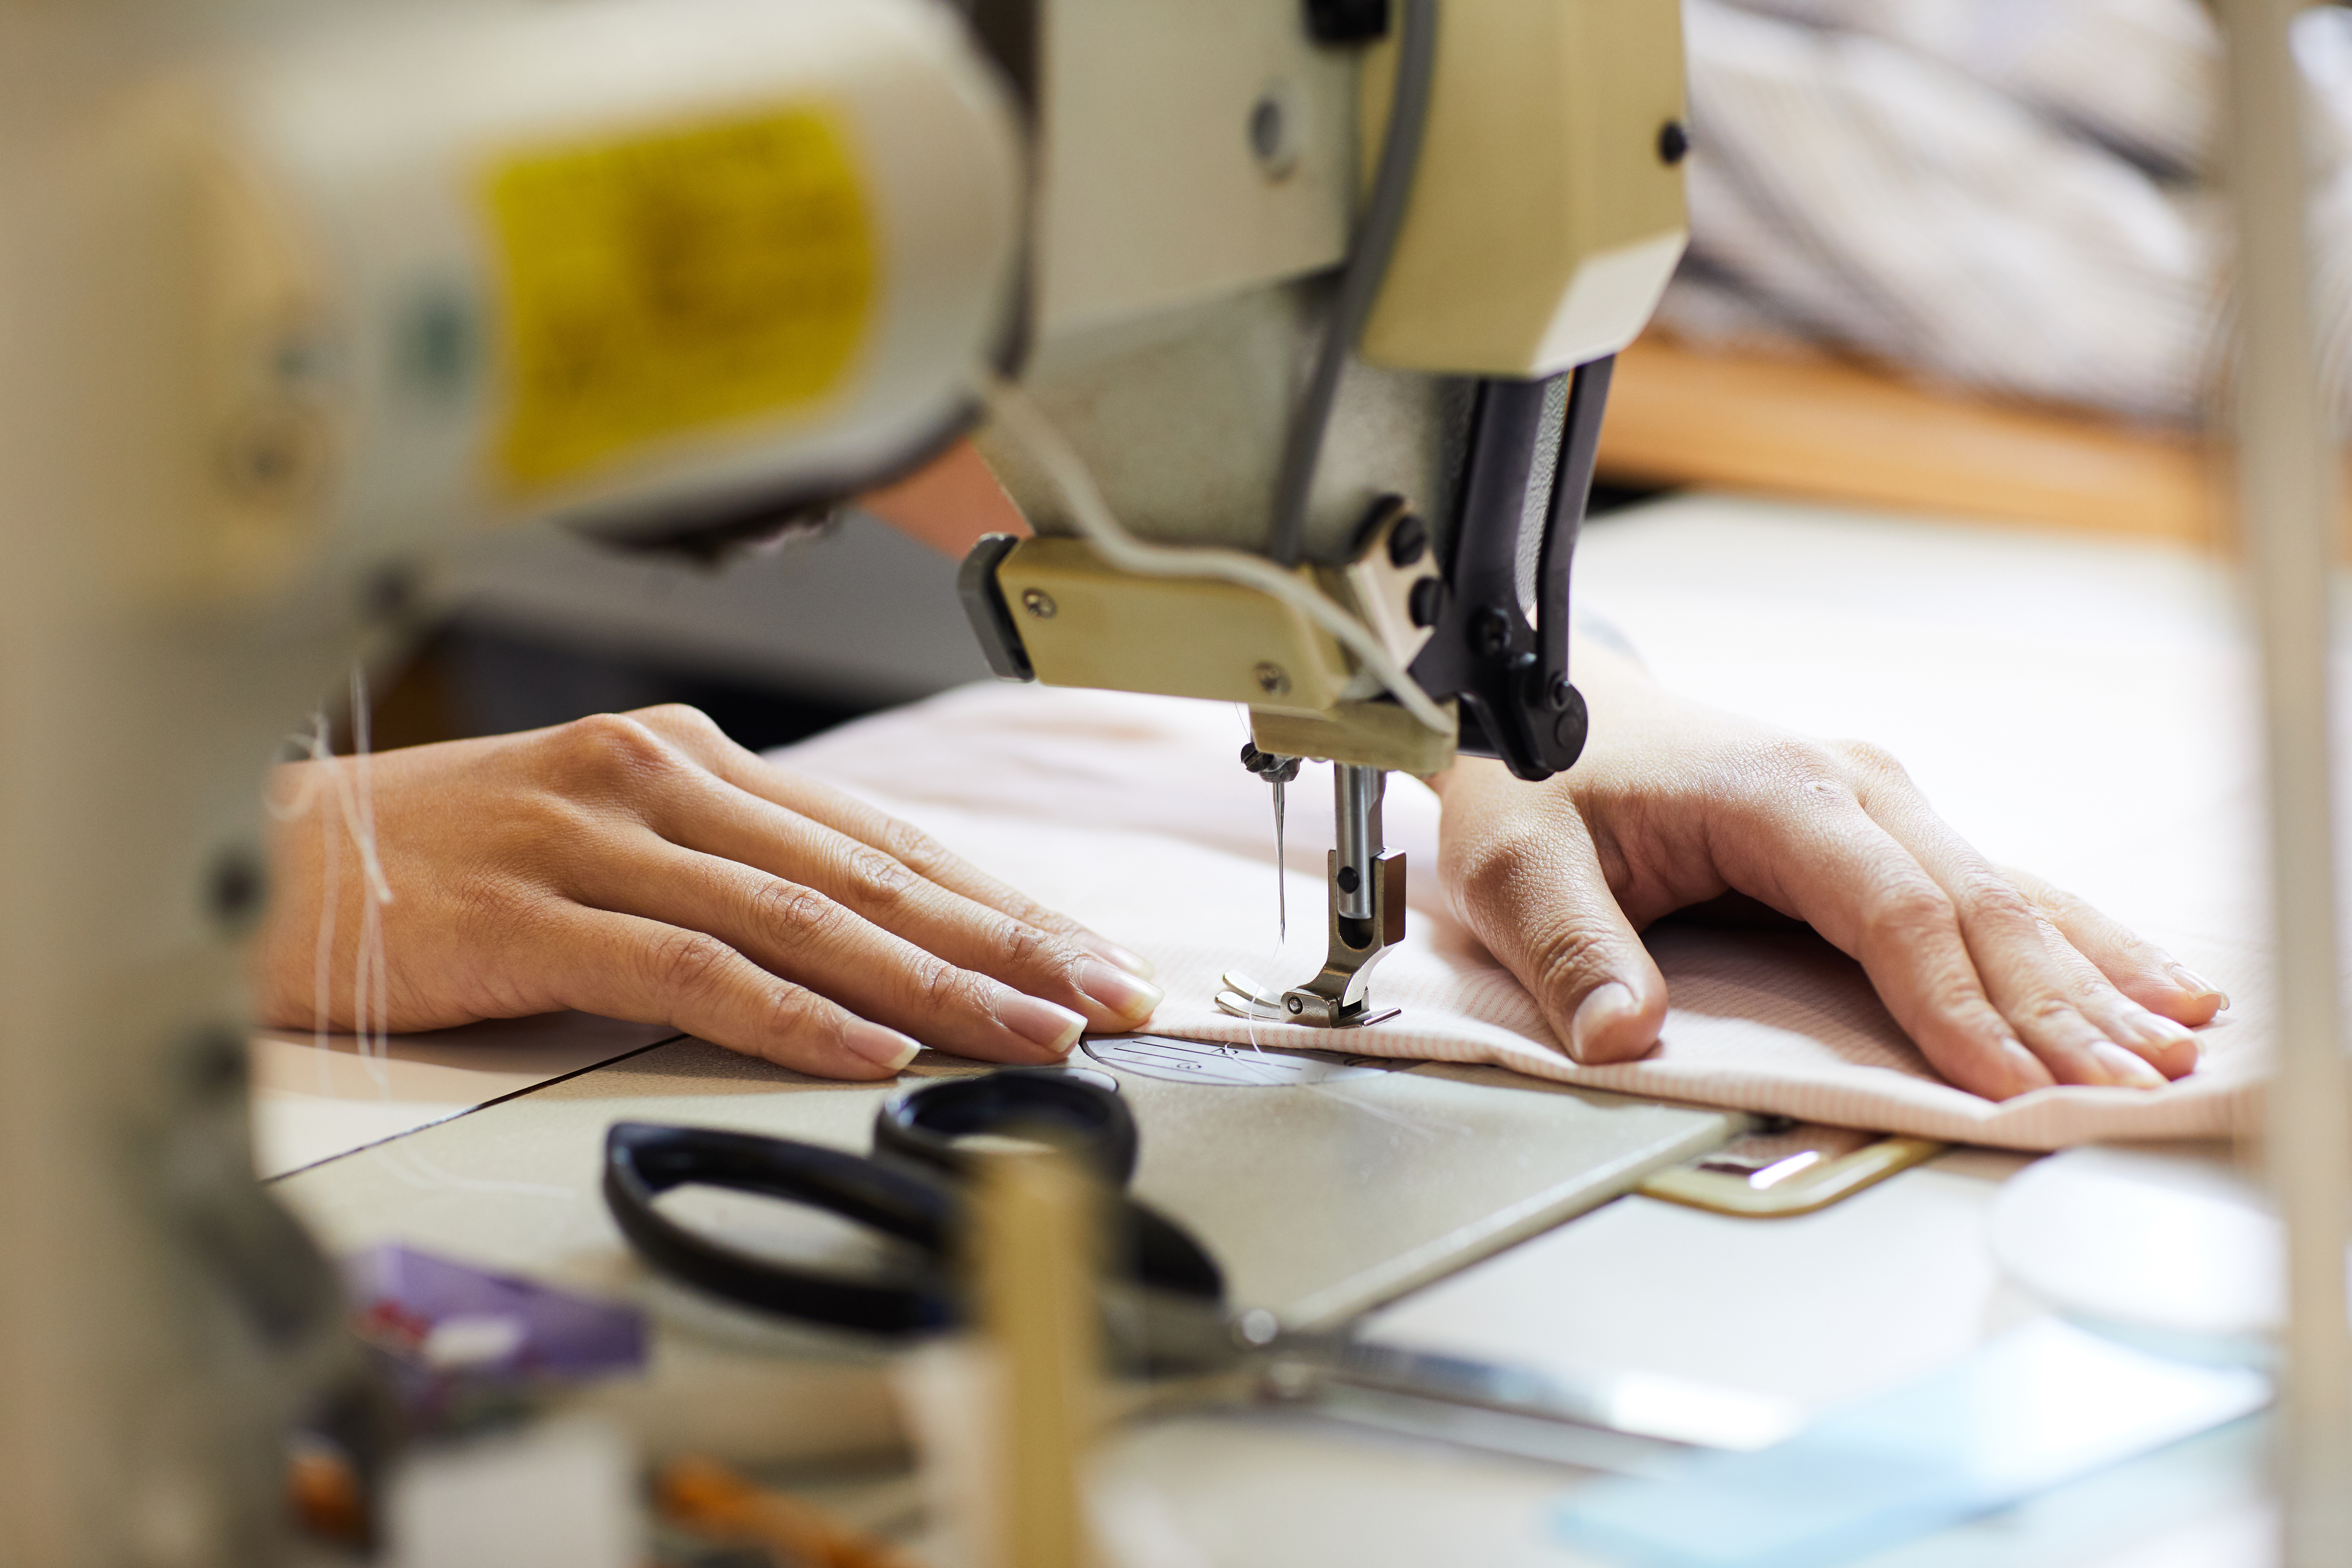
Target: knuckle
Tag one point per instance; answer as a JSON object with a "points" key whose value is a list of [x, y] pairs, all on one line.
{"points": [[689, 963], [1801, 766], [1988, 895], [804, 914], [2048, 1014], [1024, 946], [1562, 957], [609, 749], [1909, 912], [790, 1012], [941, 988], [1866, 759], [1955, 995], [910, 847], [677, 719], [874, 879]]}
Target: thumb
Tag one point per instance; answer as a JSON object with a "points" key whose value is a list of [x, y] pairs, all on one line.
{"points": [[1534, 892]]}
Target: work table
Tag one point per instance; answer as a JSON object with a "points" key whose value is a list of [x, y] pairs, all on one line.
{"points": [[1919, 637]]}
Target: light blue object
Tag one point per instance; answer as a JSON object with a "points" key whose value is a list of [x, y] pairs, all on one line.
{"points": [[2037, 1407]]}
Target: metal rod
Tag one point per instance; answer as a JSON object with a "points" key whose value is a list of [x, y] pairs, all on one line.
{"points": [[1356, 802], [2286, 479]]}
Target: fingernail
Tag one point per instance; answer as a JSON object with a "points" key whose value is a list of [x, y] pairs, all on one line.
{"points": [[1607, 1003], [2197, 984], [2129, 1069], [1126, 958], [1037, 1020], [1129, 995], [884, 1048]]}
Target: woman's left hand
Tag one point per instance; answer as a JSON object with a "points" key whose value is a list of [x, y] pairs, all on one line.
{"points": [[2005, 983]]}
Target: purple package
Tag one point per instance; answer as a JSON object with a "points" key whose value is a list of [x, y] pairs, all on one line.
{"points": [[445, 1318]]}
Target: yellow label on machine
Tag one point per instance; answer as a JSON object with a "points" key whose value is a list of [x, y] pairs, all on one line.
{"points": [[670, 283]]}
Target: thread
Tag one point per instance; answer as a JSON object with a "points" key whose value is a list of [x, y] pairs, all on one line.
{"points": [[345, 799], [1027, 423]]}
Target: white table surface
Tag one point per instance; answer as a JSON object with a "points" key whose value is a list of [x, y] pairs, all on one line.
{"points": [[318, 1097], [2027, 682]]}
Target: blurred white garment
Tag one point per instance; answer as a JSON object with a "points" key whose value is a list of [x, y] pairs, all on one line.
{"points": [[2009, 195]]}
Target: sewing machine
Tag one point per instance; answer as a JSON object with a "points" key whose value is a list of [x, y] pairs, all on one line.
{"points": [[1395, 408], [301, 298]]}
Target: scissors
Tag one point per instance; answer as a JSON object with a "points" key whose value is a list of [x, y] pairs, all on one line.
{"points": [[1165, 1310], [910, 1190]]}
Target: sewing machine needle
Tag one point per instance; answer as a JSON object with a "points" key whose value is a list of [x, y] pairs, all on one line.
{"points": [[1281, 877]]}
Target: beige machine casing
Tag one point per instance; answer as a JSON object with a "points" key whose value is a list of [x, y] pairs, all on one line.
{"points": [[228, 473], [1545, 221]]}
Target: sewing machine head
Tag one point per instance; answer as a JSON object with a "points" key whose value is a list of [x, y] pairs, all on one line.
{"points": [[1336, 292], [1364, 392]]}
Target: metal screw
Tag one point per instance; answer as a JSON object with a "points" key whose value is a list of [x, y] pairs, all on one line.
{"points": [[1490, 631], [1408, 541], [1270, 140], [274, 453], [233, 887], [1272, 678], [1038, 603], [390, 589], [213, 1062], [1427, 600], [1295, 1003], [1258, 1327]]}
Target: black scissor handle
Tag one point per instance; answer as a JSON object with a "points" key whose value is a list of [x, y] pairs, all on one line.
{"points": [[643, 1161], [1090, 1123]]}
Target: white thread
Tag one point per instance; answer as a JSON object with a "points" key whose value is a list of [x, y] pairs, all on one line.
{"points": [[331, 890], [415, 1169], [355, 795], [352, 794], [1027, 423]]}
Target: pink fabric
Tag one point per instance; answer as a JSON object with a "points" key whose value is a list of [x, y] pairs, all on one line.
{"points": [[1132, 815]]}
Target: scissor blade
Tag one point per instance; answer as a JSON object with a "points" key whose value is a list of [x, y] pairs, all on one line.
{"points": [[1541, 1438], [1638, 1404]]}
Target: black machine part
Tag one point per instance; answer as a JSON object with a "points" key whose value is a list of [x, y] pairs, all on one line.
{"points": [[1511, 676]]}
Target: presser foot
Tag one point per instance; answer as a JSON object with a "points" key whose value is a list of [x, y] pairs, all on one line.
{"points": [[1336, 998], [1245, 998]]}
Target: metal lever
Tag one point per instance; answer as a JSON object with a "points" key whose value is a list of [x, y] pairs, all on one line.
{"points": [[1510, 677]]}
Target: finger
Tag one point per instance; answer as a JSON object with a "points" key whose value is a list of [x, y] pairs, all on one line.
{"points": [[625, 966], [2068, 1015], [973, 935], [795, 931], [2137, 967], [1817, 855], [1540, 902], [877, 828], [2168, 1047], [697, 810]]}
